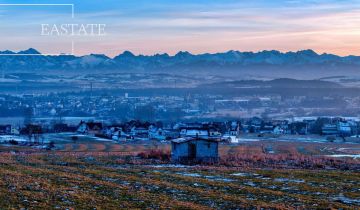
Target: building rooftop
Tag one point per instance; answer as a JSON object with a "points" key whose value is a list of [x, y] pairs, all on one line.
{"points": [[186, 139]]}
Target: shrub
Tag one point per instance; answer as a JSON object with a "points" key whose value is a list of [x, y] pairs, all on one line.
{"points": [[74, 138], [13, 142], [51, 144], [331, 138], [287, 161], [163, 155]]}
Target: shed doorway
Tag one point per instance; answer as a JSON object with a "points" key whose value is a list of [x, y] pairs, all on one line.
{"points": [[192, 151]]}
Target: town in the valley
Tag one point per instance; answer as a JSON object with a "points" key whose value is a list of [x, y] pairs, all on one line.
{"points": [[321, 129], [31, 119]]}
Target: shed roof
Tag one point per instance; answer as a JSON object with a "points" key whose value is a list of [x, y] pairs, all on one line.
{"points": [[186, 139]]}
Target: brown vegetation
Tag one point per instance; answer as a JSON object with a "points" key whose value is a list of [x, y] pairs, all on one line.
{"points": [[163, 155]]}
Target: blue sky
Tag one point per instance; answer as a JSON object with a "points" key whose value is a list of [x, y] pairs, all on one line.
{"points": [[159, 26]]}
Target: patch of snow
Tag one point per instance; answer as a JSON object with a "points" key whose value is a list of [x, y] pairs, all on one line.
{"points": [[214, 178], [342, 155], [170, 166], [250, 183], [289, 180], [7, 138], [240, 174], [190, 174], [346, 200], [211, 178], [241, 139]]}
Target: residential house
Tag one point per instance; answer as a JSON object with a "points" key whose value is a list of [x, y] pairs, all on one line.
{"points": [[281, 127], [5, 129], [140, 132], [156, 133], [62, 127], [254, 125], [344, 128], [234, 129], [298, 128], [267, 128], [15, 131], [171, 134], [90, 128], [278, 130], [329, 129], [194, 132], [115, 132]]}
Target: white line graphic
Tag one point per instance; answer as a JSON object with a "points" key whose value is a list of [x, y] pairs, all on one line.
{"points": [[72, 16]]}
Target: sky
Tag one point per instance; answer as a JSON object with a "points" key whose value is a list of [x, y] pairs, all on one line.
{"points": [[198, 26]]}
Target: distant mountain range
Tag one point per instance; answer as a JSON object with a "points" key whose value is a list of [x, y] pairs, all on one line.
{"points": [[283, 83], [182, 61]]}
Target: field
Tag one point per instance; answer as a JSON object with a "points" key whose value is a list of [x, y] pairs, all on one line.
{"points": [[105, 175]]}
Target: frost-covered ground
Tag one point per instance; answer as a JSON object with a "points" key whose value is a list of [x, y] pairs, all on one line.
{"points": [[103, 181], [7, 138], [342, 155], [268, 174]]}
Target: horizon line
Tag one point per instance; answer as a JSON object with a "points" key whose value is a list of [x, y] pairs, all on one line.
{"points": [[16, 53]]}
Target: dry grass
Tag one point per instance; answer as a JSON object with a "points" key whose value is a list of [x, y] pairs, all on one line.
{"points": [[102, 181], [113, 176]]}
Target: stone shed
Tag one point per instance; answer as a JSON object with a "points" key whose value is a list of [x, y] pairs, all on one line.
{"points": [[196, 150]]}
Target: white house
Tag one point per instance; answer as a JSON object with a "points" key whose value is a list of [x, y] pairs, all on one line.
{"points": [[193, 132], [156, 133]]}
